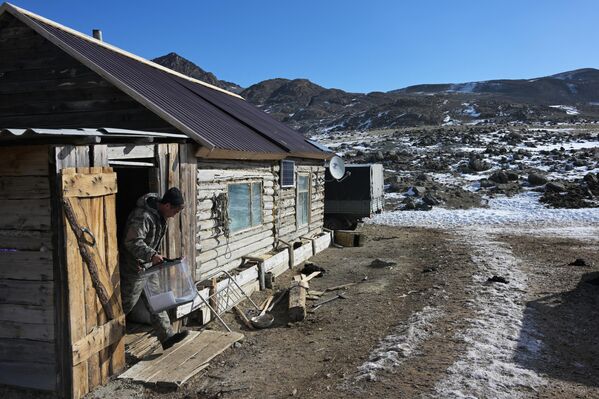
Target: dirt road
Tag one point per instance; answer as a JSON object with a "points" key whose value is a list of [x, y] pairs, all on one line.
{"points": [[425, 322], [430, 325]]}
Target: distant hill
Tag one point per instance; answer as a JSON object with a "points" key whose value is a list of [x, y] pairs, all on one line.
{"points": [[579, 86], [568, 96], [182, 65]]}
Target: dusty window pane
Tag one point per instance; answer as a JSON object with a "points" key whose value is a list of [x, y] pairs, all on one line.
{"points": [[239, 206], [256, 204], [303, 199], [302, 182], [302, 209]]}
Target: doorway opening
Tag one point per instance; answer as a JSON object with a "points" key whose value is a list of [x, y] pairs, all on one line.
{"points": [[133, 183]]}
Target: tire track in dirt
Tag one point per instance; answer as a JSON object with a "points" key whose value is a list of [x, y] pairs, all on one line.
{"points": [[496, 335]]}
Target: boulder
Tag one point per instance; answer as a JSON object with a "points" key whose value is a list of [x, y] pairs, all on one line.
{"points": [[424, 178], [512, 176], [430, 199], [486, 183], [536, 179], [478, 165], [417, 191], [555, 187], [591, 179], [408, 204], [499, 177]]}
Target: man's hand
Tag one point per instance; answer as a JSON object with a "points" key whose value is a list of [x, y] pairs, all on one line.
{"points": [[156, 259]]}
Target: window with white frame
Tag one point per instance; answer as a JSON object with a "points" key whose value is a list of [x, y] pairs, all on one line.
{"points": [[245, 205], [303, 199]]}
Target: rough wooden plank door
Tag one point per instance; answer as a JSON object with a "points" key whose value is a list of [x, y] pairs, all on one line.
{"points": [[95, 316]]}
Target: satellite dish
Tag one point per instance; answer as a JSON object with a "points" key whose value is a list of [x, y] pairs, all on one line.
{"points": [[337, 167]]}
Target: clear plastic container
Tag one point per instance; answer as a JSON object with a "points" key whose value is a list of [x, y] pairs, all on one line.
{"points": [[168, 285]]}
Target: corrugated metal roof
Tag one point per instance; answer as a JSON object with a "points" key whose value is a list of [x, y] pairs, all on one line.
{"points": [[213, 118]]}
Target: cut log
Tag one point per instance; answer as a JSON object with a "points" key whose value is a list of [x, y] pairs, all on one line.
{"points": [[297, 299]]}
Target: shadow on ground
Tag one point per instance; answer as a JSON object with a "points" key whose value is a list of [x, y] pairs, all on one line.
{"points": [[560, 334]]}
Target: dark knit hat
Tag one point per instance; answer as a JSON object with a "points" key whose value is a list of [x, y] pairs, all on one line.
{"points": [[174, 197]]}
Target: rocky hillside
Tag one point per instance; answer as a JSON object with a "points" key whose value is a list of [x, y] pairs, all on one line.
{"points": [[182, 65], [566, 97]]}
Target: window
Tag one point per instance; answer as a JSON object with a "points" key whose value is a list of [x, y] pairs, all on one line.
{"points": [[245, 205], [303, 199], [287, 173]]}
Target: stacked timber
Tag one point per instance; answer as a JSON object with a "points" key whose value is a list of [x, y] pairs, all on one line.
{"points": [[27, 309], [215, 249], [288, 227]]}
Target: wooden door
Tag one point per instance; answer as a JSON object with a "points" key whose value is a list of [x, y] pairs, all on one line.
{"points": [[95, 317]]}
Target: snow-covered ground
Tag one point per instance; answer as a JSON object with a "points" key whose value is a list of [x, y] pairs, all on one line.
{"points": [[487, 368], [520, 211], [497, 335], [403, 344]]}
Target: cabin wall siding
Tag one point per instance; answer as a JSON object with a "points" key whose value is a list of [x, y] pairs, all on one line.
{"points": [[217, 252], [27, 287], [214, 250], [42, 86], [287, 226]]}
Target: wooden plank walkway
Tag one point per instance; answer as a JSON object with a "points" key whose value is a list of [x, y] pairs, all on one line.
{"points": [[178, 364]]}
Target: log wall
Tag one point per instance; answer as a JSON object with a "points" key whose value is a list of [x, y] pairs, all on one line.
{"points": [[215, 251], [286, 220], [27, 286], [42, 86]]}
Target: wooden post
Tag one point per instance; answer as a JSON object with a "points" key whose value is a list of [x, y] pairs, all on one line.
{"points": [[297, 299], [212, 293]]}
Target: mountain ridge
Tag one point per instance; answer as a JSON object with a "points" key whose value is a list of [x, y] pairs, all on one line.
{"points": [[304, 105]]}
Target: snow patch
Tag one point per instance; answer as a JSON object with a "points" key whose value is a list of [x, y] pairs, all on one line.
{"points": [[403, 344], [523, 209], [470, 110], [572, 88], [462, 87], [567, 108], [497, 335]]}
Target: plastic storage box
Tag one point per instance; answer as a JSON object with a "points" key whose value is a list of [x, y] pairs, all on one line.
{"points": [[168, 285]]}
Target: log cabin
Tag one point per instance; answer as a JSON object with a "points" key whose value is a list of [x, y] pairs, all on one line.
{"points": [[85, 129]]}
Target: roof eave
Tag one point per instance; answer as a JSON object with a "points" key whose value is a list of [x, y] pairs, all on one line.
{"points": [[219, 153]]}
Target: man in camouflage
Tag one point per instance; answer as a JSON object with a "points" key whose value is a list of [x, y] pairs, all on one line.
{"points": [[146, 226]]}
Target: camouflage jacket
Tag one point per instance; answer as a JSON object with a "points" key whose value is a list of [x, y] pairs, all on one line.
{"points": [[143, 233]]}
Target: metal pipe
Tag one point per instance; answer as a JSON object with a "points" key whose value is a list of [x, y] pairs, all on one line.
{"points": [[97, 34]]}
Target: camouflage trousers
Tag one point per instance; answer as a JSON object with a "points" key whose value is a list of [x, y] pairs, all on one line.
{"points": [[132, 289]]}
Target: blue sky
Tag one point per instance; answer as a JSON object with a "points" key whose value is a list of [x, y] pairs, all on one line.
{"points": [[359, 46]]}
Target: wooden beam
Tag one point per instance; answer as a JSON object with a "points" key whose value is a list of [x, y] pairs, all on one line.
{"points": [[130, 151], [100, 338], [25, 214], [27, 265], [26, 351], [37, 293], [24, 161], [26, 313], [83, 185], [24, 187], [101, 280], [217, 153], [297, 299], [117, 351], [30, 331], [20, 374], [26, 240]]}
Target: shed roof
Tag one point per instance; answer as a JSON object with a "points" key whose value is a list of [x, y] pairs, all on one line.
{"points": [[224, 123]]}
